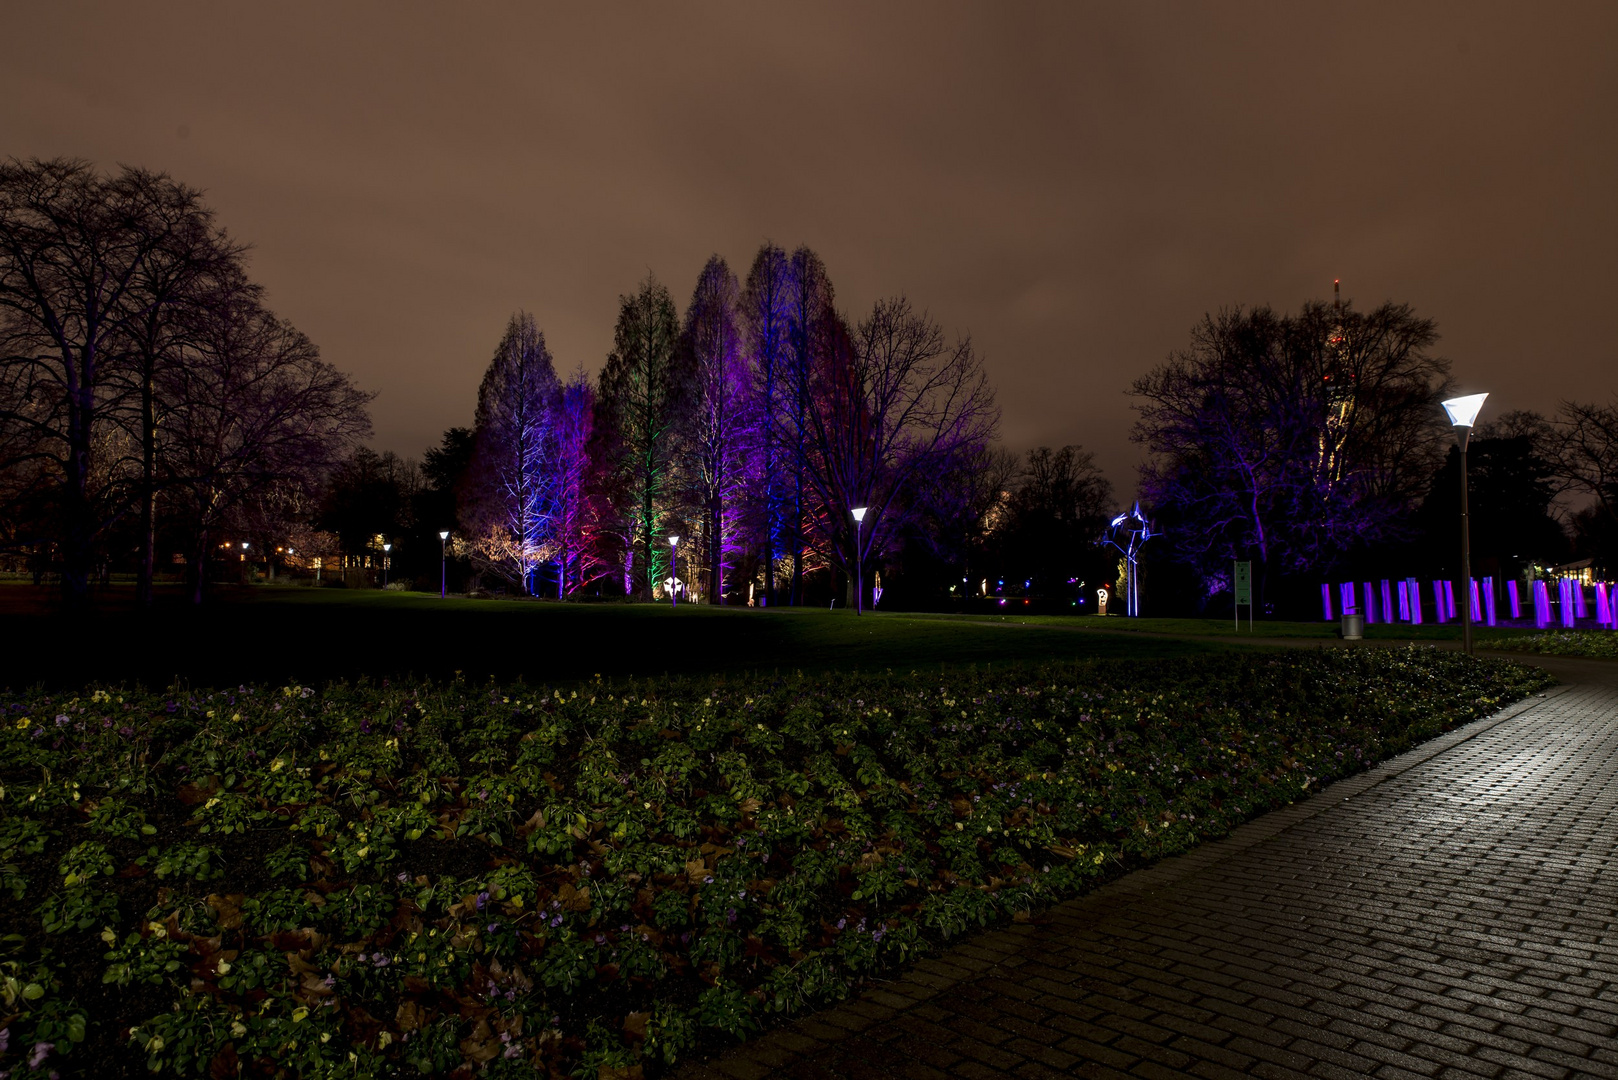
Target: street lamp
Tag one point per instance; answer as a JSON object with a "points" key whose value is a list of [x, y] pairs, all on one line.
{"points": [[859, 563], [674, 571], [385, 549], [443, 565], [1462, 412]]}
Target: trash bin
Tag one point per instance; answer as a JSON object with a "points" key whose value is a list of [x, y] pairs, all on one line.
{"points": [[1353, 626]]}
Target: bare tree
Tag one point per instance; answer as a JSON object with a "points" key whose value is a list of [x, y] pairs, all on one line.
{"points": [[897, 408], [79, 253], [1289, 440], [1587, 450], [253, 406]]}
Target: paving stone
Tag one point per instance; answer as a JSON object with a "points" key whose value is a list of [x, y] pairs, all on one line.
{"points": [[1451, 914]]}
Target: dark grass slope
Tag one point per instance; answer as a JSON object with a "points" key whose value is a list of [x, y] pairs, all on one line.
{"points": [[272, 634]]}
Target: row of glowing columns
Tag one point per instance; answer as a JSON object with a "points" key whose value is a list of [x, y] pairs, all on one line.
{"points": [[1570, 601]]}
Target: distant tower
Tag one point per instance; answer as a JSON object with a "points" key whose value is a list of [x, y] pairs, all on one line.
{"points": [[1339, 385]]}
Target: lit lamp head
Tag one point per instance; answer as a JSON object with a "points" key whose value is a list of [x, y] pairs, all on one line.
{"points": [[387, 547], [674, 541], [859, 514], [1463, 413], [444, 535], [244, 545]]}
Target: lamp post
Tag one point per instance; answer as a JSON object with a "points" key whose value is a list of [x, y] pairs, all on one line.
{"points": [[674, 571], [859, 563], [443, 565], [385, 549], [1462, 412]]}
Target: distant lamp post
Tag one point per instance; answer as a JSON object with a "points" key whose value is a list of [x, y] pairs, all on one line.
{"points": [[1463, 411], [385, 549], [443, 564], [674, 571], [859, 563]]}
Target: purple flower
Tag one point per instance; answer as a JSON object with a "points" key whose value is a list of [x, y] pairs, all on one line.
{"points": [[483, 900], [5, 1039], [42, 1050], [61, 721], [379, 961]]}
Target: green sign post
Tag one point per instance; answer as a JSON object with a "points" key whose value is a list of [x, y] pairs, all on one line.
{"points": [[1243, 585]]}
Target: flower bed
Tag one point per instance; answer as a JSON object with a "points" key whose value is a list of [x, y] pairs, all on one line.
{"points": [[1600, 644], [601, 879]]}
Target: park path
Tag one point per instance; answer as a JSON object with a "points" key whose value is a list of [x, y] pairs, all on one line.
{"points": [[1452, 913]]}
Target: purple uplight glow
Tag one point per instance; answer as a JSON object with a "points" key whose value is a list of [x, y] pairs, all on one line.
{"points": [[1516, 602], [1325, 599]]}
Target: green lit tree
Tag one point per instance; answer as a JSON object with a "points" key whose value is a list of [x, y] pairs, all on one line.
{"points": [[644, 393]]}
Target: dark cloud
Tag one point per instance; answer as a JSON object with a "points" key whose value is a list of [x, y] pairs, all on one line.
{"points": [[1073, 185]]}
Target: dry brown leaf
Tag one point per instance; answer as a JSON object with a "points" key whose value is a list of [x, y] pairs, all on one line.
{"points": [[635, 1025], [410, 1016]]}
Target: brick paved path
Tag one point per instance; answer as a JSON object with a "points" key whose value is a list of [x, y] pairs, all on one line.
{"points": [[1452, 913]]}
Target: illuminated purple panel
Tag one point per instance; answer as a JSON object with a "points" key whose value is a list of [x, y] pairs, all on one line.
{"points": [[1387, 601], [1415, 602], [1345, 593], [1511, 594], [1488, 599], [1438, 601], [1542, 605], [1404, 602], [1578, 601], [1472, 588], [1370, 604], [1603, 606], [1564, 596], [1449, 598], [1325, 599]]}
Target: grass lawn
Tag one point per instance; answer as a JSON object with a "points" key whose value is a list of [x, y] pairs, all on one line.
{"points": [[271, 634], [474, 879], [1224, 629]]}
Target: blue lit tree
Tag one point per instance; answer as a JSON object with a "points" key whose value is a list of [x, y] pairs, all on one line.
{"points": [[515, 465]]}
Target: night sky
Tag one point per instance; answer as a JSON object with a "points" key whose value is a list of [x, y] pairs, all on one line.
{"points": [[1073, 185]]}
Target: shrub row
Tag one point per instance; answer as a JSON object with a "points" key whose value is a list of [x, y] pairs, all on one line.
{"points": [[597, 879]]}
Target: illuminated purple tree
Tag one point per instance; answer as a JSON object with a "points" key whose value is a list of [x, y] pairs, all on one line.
{"points": [[1291, 439], [719, 444], [515, 457], [812, 331], [577, 517], [766, 314]]}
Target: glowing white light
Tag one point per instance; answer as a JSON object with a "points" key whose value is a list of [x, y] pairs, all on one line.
{"points": [[1463, 410], [674, 541], [859, 513], [444, 535]]}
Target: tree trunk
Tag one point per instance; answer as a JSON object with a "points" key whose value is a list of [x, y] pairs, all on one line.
{"points": [[77, 528], [148, 491], [199, 567]]}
